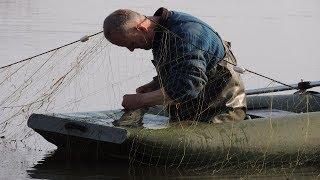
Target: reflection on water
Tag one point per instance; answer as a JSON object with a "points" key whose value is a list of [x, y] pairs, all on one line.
{"points": [[59, 165]]}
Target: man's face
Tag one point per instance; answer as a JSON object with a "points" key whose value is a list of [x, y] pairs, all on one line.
{"points": [[134, 38]]}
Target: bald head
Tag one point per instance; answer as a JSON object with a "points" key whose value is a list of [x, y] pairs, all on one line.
{"points": [[129, 29], [120, 22]]}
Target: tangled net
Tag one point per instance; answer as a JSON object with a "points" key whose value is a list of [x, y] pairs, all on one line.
{"points": [[66, 80]]}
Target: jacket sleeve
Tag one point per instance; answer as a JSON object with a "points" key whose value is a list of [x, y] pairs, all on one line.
{"points": [[184, 75]]}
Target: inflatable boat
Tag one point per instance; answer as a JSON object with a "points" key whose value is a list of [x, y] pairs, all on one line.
{"points": [[278, 129]]}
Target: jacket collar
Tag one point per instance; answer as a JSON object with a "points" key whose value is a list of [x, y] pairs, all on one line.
{"points": [[164, 15], [163, 22]]}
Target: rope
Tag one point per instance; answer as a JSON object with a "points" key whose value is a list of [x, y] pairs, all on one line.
{"points": [[250, 71], [242, 70], [83, 39], [274, 80]]}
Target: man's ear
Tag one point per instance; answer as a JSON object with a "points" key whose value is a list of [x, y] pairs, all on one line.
{"points": [[142, 27]]}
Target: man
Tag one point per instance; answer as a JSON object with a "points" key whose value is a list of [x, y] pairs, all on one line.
{"points": [[196, 80]]}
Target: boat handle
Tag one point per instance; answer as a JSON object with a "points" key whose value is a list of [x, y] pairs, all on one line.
{"points": [[72, 126]]}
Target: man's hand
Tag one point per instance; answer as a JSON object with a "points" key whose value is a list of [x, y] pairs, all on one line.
{"points": [[132, 101], [137, 101], [151, 86]]}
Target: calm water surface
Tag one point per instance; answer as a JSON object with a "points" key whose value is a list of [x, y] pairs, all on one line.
{"points": [[279, 38]]}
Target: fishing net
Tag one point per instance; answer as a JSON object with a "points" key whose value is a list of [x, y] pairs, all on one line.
{"points": [[94, 75], [66, 80]]}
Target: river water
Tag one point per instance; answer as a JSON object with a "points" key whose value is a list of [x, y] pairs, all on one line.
{"points": [[275, 37]]}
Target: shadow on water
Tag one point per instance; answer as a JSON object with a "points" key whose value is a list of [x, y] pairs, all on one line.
{"points": [[58, 165]]}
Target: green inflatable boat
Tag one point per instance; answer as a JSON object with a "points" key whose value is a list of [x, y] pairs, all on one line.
{"points": [[279, 129]]}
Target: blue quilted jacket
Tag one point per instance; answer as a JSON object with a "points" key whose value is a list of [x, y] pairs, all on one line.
{"points": [[184, 56], [185, 49]]}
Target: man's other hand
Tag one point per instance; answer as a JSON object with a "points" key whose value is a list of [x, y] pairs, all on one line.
{"points": [[137, 101], [132, 101]]}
